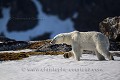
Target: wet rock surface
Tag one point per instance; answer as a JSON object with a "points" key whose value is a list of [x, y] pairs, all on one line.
{"points": [[37, 44], [55, 47], [11, 44], [14, 45], [40, 46]]}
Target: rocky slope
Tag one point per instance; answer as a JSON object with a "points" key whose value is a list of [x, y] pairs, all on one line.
{"points": [[85, 14], [111, 28]]}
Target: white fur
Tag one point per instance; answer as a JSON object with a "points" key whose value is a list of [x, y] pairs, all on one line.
{"points": [[93, 41]]}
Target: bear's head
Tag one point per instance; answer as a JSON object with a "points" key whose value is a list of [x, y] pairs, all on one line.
{"points": [[58, 39]]}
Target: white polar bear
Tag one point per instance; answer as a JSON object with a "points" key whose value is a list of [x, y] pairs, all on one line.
{"points": [[93, 41]]}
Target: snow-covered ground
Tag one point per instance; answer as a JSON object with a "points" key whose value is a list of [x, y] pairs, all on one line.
{"points": [[24, 50], [46, 67], [47, 23]]}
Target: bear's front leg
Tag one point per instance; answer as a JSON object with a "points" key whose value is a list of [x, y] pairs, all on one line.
{"points": [[76, 51]]}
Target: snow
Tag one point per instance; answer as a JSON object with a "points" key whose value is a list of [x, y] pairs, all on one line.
{"points": [[47, 67], [114, 51], [24, 50], [47, 23]]}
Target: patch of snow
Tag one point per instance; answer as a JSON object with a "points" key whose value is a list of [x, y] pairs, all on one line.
{"points": [[4, 20], [47, 23], [114, 51], [46, 67], [24, 50]]}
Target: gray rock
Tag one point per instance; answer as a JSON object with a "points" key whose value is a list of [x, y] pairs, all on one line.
{"points": [[15, 45], [111, 28], [56, 47]]}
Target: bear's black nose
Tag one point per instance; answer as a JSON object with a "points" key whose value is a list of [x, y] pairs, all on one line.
{"points": [[52, 42]]}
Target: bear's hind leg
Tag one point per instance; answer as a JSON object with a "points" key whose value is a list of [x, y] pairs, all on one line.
{"points": [[99, 56], [105, 52], [76, 55]]}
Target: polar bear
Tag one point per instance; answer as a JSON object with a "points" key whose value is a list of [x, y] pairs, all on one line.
{"points": [[93, 41]]}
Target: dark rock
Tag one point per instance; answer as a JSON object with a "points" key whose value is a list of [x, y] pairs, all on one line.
{"points": [[37, 44], [15, 45], [115, 46], [56, 47], [111, 28], [0, 12], [89, 12], [5, 39]]}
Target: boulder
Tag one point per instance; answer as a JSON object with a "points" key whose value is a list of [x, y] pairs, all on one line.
{"points": [[111, 28], [15, 45]]}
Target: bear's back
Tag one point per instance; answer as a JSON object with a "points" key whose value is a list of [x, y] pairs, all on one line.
{"points": [[88, 36]]}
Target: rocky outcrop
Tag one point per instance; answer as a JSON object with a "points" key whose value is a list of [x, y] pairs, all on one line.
{"points": [[7, 44], [115, 46], [23, 14], [111, 28], [14, 45], [56, 47], [40, 46], [37, 44], [85, 14]]}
